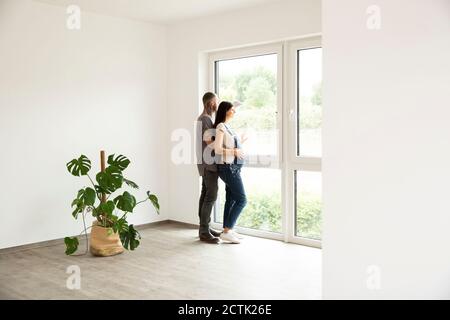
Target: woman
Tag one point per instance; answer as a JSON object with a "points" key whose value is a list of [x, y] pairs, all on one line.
{"points": [[229, 159]]}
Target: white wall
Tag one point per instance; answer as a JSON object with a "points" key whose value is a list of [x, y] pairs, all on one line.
{"points": [[386, 150], [63, 93], [188, 42]]}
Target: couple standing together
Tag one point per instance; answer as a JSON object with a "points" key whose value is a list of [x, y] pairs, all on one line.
{"points": [[221, 156]]}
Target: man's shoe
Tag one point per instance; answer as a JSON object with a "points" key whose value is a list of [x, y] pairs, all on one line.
{"points": [[209, 238], [215, 233]]}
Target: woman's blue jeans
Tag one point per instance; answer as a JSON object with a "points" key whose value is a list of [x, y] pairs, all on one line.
{"points": [[235, 199]]}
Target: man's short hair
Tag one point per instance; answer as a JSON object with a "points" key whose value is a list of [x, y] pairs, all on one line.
{"points": [[207, 97]]}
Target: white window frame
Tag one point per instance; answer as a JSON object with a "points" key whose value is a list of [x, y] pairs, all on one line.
{"points": [[287, 159], [294, 162], [276, 162]]}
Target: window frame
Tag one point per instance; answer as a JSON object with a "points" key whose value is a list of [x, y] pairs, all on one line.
{"points": [[287, 101], [292, 81], [296, 162]]}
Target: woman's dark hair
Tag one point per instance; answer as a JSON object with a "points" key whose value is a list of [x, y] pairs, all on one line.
{"points": [[221, 113]]}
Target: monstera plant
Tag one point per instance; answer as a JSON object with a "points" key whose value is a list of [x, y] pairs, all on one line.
{"points": [[105, 201]]}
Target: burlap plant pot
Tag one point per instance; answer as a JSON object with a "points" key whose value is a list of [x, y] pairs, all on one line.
{"points": [[104, 242]]}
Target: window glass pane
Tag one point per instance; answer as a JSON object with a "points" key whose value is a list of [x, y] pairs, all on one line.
{"points": [[308, 195], [309, 140], [263, 210], [253, 82]]}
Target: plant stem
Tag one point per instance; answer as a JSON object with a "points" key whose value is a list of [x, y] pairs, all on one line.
{"points": [[123, 215], [102, 167], [105, 219], [85, 232], [141, 201]]}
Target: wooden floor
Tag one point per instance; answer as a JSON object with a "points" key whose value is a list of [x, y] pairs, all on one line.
{"points": [[170, 264]]}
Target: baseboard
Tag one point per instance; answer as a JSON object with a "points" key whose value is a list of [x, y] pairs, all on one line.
{"points": [[184, 224], [51, 243], [151, 224]]}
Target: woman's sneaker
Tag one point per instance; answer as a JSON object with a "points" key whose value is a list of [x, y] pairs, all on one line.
{"points": [[229, 237], [237, 235]]}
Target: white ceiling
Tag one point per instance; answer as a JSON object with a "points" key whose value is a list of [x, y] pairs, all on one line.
{"points": [[160, 11]]}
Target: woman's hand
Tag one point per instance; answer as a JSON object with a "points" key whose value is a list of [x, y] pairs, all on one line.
{"points": [[239, 153]]}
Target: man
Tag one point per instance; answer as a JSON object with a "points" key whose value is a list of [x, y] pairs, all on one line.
{"points": [[207, 168]]}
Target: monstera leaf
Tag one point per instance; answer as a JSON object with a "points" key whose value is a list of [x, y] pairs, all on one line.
{"points": [[85, 197], [120, 162], [79, 167], [154, 200], [107, 208], [120, 225], [100, 190], [130, 238], [110, 180], [89, 196], [125, 202], [71, 245], [131, 183]]}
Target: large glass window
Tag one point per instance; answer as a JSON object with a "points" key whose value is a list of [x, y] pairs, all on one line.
{"points": [[309, 137], [253, 82], [307, 166], [263, 210], [308, 194]]}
